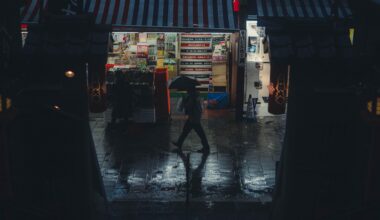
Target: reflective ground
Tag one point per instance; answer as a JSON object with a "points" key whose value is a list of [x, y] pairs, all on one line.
{"points": [[141, 168]]}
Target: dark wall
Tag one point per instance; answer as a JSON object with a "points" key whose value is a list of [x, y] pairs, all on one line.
{"points": [[329, 149], [10, 25], [320, 145]]}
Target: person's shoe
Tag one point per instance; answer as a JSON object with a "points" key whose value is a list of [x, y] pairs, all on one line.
{"points": [[204, 150], [176, 144]]}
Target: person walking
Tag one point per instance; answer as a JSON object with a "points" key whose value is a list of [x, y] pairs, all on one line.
{"points": [[193, 110]]}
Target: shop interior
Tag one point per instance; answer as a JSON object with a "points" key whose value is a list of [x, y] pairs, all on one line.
{"points": [[140, 58]]}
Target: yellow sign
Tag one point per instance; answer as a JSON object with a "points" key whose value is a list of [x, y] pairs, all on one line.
{"points": [[160, 63], [352, 33]]}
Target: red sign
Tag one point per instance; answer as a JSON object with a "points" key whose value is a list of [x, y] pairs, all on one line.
{"points": [[24, 26], [236, 5]]}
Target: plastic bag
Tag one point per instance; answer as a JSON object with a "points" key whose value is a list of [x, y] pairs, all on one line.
{"points": [[180, 106]]}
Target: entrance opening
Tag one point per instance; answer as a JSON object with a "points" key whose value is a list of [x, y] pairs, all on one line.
{"points": [[138, 159]]}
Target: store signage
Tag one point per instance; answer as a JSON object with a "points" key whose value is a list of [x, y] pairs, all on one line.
{"points": [[242, 48], [236, 4], [196, 54], [195, 51], [196, 63]]}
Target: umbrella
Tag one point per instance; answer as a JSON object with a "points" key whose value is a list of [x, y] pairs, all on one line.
{"points": [[183, 82]]}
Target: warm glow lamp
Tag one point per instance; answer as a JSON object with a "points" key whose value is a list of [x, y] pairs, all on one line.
{"points": [[373, 106], [69, 74], [7, 104]]}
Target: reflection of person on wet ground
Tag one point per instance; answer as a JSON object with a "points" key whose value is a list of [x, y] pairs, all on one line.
{"points": [[193, 109], [196, 174]]}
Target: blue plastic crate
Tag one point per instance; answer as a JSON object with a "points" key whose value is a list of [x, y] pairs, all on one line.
{"points": [[217, 100]]}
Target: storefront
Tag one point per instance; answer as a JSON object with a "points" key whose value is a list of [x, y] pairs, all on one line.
{"points": [[200, 55], [179, 37], [279, 35]]}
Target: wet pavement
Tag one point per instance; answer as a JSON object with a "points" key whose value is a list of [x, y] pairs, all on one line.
{"points": [[140, 165]]}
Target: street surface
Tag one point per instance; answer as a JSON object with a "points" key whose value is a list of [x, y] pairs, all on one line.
{"points": [[141, 167]]}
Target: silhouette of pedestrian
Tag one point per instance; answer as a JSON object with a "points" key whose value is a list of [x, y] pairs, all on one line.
{"points": [[193, 110]]}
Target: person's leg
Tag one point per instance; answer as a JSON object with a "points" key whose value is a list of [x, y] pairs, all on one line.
{"points": [[185, 131], [201, 133]]}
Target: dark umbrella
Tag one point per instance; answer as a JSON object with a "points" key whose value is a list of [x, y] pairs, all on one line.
{"points": [[183, 82]]}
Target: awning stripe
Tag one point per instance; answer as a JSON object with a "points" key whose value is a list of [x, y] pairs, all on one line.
{"points": [[96, 9], [230, 16], [289, 8], [317, 9], [215, 13], [155, 13], [131, 9], [323, 9], [35, 13], [205, 13], [220, 14], [30, 9], [165, 15], [310, 4], [25, 9], [170, 13], [145, 12], [180, 13], [175, 13], [160, 17], [279, 8], [195, 13], [125, 12], [185, 13], [149, 16], [327, 7], [105, 11], [210, 11], [346, 8], [260, 8], [100, 11], [299, 9], [200, 14], [225, 15], [115, 11], [309, 9], [140, 9], [86, 5], [135, 11], [45, 4], [92, 7], [190, 13], [269, 8]]}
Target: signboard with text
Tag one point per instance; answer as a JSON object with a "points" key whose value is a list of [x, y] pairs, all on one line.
{"points": [[242, 48]]}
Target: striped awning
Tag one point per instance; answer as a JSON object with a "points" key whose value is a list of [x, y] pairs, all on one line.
{"points": [[198, 14], [299, 9], [327, 45]]}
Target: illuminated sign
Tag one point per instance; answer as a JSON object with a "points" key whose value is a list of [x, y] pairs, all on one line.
{"points": [[236, 4]]}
